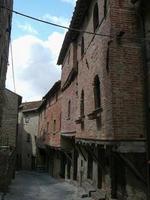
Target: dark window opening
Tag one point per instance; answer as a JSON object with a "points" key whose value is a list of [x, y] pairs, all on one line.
{"points": [[97, 94], [82, 46], [95, 17], [54, 126], [82, 109], [105, 7], [69, 109], [97, 99], [82, 104]]}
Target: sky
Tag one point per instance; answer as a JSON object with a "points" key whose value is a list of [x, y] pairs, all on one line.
{"points": [[36, 46]]}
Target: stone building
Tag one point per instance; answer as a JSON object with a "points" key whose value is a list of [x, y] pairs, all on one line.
{"points": [[9, 125], [27, 135], [8, 137], [48, 141], [104, 104], [5, 30]]}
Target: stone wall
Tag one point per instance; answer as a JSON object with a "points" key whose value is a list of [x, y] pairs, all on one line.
{"points": [[9, 126], [5, 30], [7, 168]]}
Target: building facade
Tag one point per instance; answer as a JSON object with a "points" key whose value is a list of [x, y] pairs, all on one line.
{"points": [[5, 30], [9, 125], [104, 108], [48, 143], [27, 135], [8, 138]]}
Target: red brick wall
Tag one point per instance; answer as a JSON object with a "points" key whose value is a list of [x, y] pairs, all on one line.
{"points": [[122, 97], [53, 112], [68, 124]]}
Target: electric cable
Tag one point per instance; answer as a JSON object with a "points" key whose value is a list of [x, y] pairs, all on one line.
{"points": [[12, 64]]}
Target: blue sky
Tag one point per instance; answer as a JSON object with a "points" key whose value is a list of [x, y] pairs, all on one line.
{"points": [[36, 46], [53, 8]]}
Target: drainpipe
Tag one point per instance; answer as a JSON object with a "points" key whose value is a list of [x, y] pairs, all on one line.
{"points": [[146, 92]]}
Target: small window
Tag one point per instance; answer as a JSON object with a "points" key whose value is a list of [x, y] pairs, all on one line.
{"points": [[95, 17], [69, 109], [82, 109], [54, 126], [105, 7], [82, 104], [82, 46], [56, 96], [28, 137], [97, 95], [97, 98]]}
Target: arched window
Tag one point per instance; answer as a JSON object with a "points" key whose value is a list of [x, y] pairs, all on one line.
{"points": [[82, 46], [97, 93], [69, 109], [95, 17], [82, 104]]}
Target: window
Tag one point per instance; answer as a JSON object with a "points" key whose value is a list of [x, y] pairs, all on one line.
{"points": [[82, 46], [54, 126], [95, 17], [69, 108], [105, 7], [97, 95], [28, 137], [82, 104], [97, 99], [82, 109]]}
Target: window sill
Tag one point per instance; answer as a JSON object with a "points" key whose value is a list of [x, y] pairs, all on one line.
{"points": [[95, 114], [80, 119]]}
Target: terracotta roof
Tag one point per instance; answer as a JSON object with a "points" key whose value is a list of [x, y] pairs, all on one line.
{"points": [[76, 22], [30, 106]]}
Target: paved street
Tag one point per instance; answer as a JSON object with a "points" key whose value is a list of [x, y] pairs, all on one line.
{"points": [[38, 186]]}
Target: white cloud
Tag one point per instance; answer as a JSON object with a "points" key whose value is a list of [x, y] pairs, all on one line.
{"points": [[57, 20], [35, 65], [28, 28], [70, 1]]}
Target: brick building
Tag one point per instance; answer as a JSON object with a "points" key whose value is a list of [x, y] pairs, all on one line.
{"points": [[49, 132], [5, 30], [27, 135], [103, 97]]}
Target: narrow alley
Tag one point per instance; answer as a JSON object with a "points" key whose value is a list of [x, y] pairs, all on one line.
{"points": [[39, 186]]}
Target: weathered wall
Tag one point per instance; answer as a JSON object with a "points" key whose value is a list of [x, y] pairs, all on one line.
{"points": [[51, 112], [5, 30], [10, 119], [27, 134]]}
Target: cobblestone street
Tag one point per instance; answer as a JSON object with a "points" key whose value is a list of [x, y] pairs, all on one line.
{"points": [[39, 186]]}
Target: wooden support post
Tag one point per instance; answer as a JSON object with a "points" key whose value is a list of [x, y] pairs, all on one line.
{"points": [[113, 175]]}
